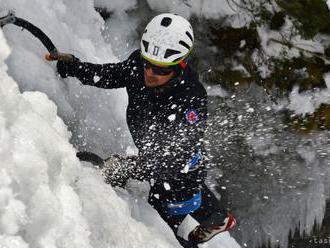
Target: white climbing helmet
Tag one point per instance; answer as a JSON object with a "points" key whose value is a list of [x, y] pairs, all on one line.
{"points": [[167, 40]]}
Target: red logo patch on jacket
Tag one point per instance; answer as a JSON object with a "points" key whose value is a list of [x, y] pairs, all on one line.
{"points": [[192, 116]]}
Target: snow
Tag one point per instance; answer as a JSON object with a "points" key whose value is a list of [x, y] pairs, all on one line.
{"points": [[216, 90], [47, 197], [116, 5], [93, 115], [120, 29], [172, 117], [167, 186], [326, 77], [209, 9], [307, 102], [285, 43]]}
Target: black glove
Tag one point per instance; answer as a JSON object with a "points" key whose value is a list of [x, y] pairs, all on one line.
{"points": [[67, 68]]}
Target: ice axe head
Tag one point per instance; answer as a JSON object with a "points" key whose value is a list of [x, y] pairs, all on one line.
{"points": [[10, 18]]}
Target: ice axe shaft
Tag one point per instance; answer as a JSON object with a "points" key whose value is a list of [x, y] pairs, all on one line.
{"points": [[54, 54]]}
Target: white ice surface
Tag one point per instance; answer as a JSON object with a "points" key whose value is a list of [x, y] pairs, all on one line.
{"points": [[326, 77], [307, 102], [93, 115], [47, 199], [209, 9]]}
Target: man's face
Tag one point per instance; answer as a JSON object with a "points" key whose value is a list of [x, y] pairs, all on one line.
{"points": [[157, 76]]}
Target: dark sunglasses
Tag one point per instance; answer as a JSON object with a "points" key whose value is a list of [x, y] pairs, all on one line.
{"points": [[161, 71]]}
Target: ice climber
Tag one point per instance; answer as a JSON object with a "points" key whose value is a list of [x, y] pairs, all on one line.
{"points": [[166, 116]]}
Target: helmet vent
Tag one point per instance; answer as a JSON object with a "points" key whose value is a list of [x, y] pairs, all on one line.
{"points": [[166, 21], [182, 43], [146, 45], [190, 36], [145, 31], [170, 52]]}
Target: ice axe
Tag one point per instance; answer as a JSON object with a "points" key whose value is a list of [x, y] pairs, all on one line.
{"points": [[54, 54]]}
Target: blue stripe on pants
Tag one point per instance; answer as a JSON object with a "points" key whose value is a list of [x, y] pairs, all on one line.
{"points": [[185, 207]]}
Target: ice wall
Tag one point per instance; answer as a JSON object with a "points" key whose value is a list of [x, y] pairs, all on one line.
{"points": [[47, 198], [95, 117]]}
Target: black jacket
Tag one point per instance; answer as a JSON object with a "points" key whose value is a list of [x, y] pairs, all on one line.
{"points": [[167, 124]]}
